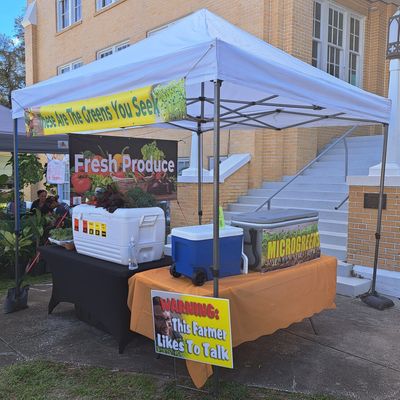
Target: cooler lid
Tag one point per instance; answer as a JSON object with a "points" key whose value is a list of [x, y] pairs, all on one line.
{"points": [[119, 213], [274, 216], [204, 232]]}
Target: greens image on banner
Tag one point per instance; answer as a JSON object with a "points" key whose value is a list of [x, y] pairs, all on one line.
{"points": [[98, 161], [144, 106], [194, 328]]}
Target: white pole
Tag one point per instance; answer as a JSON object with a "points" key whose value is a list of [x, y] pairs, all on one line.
{"points": [[393, 152]]}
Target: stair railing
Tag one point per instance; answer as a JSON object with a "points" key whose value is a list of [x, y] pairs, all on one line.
{"points": [[342, 202], [329, 148]]}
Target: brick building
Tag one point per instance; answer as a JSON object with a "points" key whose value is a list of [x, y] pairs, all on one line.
{"points": [[346, 38]]}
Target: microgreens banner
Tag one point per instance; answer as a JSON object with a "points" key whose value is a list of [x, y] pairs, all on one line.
{"points": [[290, 245], [97, 161], [144, 106], [195, 328]]}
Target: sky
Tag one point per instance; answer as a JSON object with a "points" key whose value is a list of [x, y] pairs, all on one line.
{"points": [[9, 10]]}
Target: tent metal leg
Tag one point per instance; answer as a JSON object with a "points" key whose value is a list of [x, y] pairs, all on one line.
{"points": [[199, 178], [200, 158], [16, 207], [380, 202], [372, 298], [217, 103], [217, 90]]}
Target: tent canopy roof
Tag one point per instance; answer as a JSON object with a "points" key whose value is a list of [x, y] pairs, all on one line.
{"points": [[48, 144], [272, 88]]}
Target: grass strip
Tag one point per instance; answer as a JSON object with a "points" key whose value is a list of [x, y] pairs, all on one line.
{"points": [[6, 283], [37, 380]]}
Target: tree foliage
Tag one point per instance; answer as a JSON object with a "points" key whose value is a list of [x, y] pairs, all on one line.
{"points": [[31, 170], [12, 63]]}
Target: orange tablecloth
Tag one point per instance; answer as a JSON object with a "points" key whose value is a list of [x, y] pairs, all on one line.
{"points": [[260, 304]]}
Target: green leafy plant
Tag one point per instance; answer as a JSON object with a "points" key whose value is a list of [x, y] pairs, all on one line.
{"points": [[61, 234], [138, 198], [8, 244], [111, 198], [31, 170]]}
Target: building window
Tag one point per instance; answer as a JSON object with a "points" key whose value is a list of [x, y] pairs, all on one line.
{"points": [[154, 31], [316, 45], [336, 46], [69, 67], [100, 4], [68, 12], [110, 50], [64, 190], [183, 163]]}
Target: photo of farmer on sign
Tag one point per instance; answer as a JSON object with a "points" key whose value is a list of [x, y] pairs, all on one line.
{"points": [[121, 165]]}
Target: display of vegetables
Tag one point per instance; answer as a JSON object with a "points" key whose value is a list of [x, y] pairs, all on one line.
{"points": [[171, 100], [61, 234], [112, 198], [81, 182], [152, 151]]}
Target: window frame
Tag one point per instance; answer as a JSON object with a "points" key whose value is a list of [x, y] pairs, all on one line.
{"points": [[344, 66], [185, 160], [100, 8], [71, 65], [112, 49], [72, 13]]}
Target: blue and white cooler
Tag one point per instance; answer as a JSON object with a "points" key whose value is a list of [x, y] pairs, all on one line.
{"points": [[192, 252]]}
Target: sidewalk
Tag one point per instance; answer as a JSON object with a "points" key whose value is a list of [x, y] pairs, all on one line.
{"points": [[355, 355]]}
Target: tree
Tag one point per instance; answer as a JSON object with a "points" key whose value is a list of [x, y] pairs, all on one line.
{"points": [[12, 63]]}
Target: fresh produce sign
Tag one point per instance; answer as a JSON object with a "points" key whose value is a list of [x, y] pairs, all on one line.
{"points": [[127, 163], [144, 106], [287, 246]]}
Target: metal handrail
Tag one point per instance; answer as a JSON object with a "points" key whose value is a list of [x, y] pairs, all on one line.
{"points": [[342, 202], [343, 137]]}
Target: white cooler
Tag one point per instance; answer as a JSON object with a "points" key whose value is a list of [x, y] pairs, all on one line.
{"points": [[126, 235]]}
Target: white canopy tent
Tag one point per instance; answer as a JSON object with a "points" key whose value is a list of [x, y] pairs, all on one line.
{"points": [[233, 80], [48, 144]]}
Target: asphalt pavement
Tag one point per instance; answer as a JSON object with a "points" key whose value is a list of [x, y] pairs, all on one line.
{"points": [[355, 354]]}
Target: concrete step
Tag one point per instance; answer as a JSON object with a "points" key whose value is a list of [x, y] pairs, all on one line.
{"points": [[293, 202], [333, 172], [340, 252], [335, 238], [331, 225], [352, 287], [295, 185], [316, 179], [344, 269], [340, 157], [356, 138], [339, 164], [357, 151], [338, 215], [297, 194]]}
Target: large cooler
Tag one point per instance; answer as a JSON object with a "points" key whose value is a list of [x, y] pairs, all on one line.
{"points": [[127, 234], [279, 238], [192, 252]]}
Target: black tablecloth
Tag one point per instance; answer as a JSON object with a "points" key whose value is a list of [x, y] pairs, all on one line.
{"points": [[97, 288]]}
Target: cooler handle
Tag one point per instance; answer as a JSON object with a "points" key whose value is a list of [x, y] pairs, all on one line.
{"points": [[96, 215], [148, 220], [245, 269]]}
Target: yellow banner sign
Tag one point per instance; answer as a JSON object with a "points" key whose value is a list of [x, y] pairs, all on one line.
{"points": [[144, 106], [194, 328]]}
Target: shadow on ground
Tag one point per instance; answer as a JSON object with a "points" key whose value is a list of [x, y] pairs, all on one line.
{"points": [[355, 355]]}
